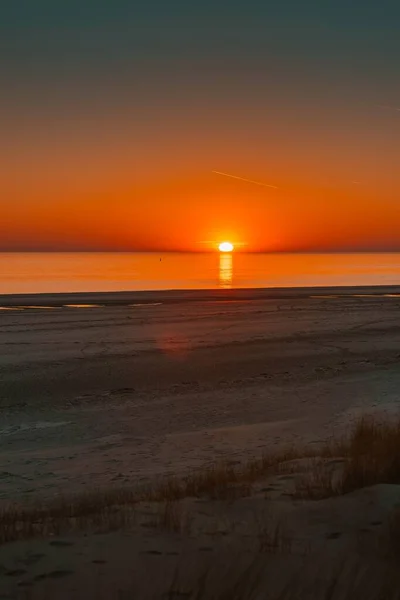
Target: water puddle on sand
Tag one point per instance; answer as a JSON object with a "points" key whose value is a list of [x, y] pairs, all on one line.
{"points": [[76, 306], [324, 297], [344, 296], [143, 305], [375, 296], [39, 307], [83, 305], [22, 308]]}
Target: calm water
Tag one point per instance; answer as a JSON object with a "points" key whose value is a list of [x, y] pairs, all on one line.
{"points": [[38, 273]]}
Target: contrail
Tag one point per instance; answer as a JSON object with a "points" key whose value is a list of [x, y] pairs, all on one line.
{"points": [[389, 107], [243, 179]]}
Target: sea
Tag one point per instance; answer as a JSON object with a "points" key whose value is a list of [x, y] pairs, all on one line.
{"points": [[31, 273]]}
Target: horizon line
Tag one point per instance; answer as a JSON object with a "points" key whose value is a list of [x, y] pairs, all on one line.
{"points": [[395, 250]]}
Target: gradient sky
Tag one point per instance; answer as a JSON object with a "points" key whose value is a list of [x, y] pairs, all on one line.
{"points": [[113, 116]]}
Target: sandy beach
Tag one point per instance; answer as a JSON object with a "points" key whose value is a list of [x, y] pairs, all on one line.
{"points": [[122, 390], [104, 392]]}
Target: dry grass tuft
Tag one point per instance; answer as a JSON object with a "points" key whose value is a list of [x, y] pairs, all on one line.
{"points": [[371, 453], [389, 537], [372, 456], [235, 582], [273, 539], [172, 517], [319, 483], [220, 482], [223, 481], [95, 511], [238, 581]]}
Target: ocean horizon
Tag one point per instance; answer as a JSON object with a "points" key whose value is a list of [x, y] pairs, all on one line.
{"points": [[74, 272]]}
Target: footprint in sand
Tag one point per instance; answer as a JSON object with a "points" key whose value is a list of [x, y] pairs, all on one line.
{"points": [[99, 562], [15, 573], [31, 560], [58, 574], [334, 535], [61, 543], [24, 584], [286, 477]]}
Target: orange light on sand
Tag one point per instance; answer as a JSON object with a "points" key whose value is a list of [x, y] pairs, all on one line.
{"points": [[225, 247]]}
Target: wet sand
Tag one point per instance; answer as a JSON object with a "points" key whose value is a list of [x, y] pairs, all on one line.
{"points": [[138, 385]]}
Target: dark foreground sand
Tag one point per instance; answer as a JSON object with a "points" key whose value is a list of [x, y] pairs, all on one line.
{"points": [[95, 395], [111, 395]]}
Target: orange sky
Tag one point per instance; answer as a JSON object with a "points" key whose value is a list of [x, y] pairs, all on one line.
{"points": [[113, 120], [79, 190]]}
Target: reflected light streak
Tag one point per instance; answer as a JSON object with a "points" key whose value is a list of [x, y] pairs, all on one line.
{"points": [[225, 270]]}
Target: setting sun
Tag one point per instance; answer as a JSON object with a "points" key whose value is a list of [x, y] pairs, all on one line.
{"points": [[225, 247]]}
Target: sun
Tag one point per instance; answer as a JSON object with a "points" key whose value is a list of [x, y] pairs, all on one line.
{"points": [[226, 247]]}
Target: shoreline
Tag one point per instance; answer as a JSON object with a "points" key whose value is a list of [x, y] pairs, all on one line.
{"points": [[177, 296]]}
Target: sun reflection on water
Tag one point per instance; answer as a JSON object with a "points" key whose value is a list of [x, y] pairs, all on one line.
{"points": [[225, 270]]}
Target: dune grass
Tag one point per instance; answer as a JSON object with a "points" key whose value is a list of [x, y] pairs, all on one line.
{"points": [[171, 516], [106, 510], [273, 538], [249, 583], [371, 454]]}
